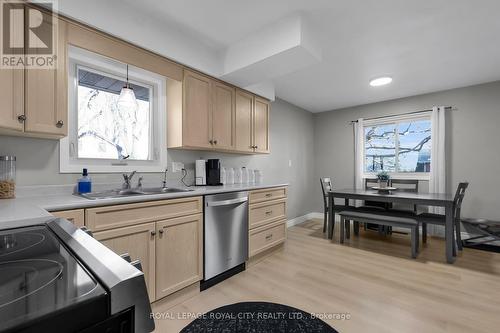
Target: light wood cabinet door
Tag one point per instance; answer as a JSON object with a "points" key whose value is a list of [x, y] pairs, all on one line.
{"points": [[179, 254], [243, 121], [12, 91], [261, 125], [197, 117], [75, 216], [12, 97], [46, 106], [139, 242], [223, 116]]}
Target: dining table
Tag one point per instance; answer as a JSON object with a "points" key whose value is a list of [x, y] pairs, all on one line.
{"points": [[445, 200]]}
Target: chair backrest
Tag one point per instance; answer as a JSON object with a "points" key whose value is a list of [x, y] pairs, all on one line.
{"points": [[326, 186], [459, 198], [369, 183], [405, 185]]}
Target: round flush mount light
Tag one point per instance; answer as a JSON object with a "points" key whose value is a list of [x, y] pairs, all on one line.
{"points": [[380, 81]]}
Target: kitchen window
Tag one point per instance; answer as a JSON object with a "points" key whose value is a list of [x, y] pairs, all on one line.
{"points": [[398, 145], [104, 135]]}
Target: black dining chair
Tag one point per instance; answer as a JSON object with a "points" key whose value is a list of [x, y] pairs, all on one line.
{"points": [[377, 205], [372, 206], [408, 186], [438, 219], [326, 186]]}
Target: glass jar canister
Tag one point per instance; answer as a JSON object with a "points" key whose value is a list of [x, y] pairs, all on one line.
{"points": [[7, 177]]}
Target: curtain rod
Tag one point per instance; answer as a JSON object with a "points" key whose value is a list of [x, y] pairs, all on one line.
{"points": [[402, 114]]}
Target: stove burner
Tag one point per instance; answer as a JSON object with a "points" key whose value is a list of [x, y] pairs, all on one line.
{"points": [[16, 242], [22, 278]]}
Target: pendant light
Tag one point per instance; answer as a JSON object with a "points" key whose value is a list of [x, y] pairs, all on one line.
{"points": [[127, 96]]}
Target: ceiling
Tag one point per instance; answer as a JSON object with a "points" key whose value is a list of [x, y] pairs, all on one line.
{"points": [[425, 46]]}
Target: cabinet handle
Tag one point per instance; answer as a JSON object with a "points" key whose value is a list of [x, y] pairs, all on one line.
{"points": [[256, 147], [268, 195], [269, 212], [21, 118], [59, 124], [268, 237], [161, 231], [153, 233], [215, 142], [211, 142]]}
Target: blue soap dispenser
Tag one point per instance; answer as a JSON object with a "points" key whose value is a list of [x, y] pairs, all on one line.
{"points": [[85, 183]]}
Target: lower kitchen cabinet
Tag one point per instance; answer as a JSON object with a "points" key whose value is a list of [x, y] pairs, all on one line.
{"points": [[266, 219], [139, 242], [168, 240], [179, 253]]}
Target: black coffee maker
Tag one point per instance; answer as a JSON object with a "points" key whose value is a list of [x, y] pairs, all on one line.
{"points": [[213, 172]]}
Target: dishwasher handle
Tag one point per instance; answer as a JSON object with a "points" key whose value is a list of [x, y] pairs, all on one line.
{"points": [[226, 202]]}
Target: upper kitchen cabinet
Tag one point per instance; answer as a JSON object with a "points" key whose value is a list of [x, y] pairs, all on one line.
{"points": [[197, 111], [12, 97], [223, 116], [244, 120], [46, 105], [204, 117], [252, 123], [34, 101], [261, 125], [207, 114]]}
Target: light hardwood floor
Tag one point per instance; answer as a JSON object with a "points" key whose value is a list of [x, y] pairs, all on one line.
{"points": [[371, 277]]}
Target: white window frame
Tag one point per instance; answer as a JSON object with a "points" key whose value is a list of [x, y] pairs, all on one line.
{"points": [[391, 120], [68, 161]]}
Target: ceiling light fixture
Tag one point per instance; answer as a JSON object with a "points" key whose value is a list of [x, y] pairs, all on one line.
{"points": [[127, 96], [380, 81]]}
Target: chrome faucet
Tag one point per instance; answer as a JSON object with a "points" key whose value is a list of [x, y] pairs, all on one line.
{"points": [[127, 180]]}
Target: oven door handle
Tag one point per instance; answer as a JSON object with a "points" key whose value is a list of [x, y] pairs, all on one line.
{"points": [[226, 202]]}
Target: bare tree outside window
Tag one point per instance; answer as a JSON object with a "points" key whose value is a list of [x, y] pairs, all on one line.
{"points": [[106, 130], [402, 147]]}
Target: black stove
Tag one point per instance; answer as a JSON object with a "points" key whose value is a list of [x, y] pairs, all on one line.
{"points": [[56, 278]]}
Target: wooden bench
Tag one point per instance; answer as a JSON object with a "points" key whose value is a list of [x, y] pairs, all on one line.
{"points": [[382, 219]]}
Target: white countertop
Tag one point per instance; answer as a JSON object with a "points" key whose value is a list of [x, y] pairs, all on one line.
{"points": [[14, 212]]}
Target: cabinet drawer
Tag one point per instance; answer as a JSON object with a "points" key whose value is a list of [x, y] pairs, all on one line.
{"points": [[266, 237], [267, 212], [110, 217], [267, 194], [76, 216]]}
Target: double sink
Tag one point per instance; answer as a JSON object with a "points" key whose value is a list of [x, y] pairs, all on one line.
{"points": [[119, 193]]}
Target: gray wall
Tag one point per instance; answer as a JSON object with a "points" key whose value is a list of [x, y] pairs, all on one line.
{"points": [[473, 138], [291, 138]]}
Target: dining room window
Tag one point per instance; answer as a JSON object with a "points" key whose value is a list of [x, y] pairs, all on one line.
{"points": [[399, 145]]}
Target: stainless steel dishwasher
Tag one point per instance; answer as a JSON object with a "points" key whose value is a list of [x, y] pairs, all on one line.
{"points": [[225, 236]]}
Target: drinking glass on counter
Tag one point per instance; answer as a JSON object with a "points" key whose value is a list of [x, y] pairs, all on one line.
{"points": [[229, 176], [7, 177], [244, 175], [251, 176], [258, 176]]}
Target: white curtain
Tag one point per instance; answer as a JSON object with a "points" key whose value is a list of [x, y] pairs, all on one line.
{"points": [[437, 183], [358, 155]]}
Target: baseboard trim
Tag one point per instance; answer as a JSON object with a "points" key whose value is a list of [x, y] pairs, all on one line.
{"points": [[303, 218]]}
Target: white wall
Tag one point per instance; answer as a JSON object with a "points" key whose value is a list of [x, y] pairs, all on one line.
{"points": [[473, 138]]}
